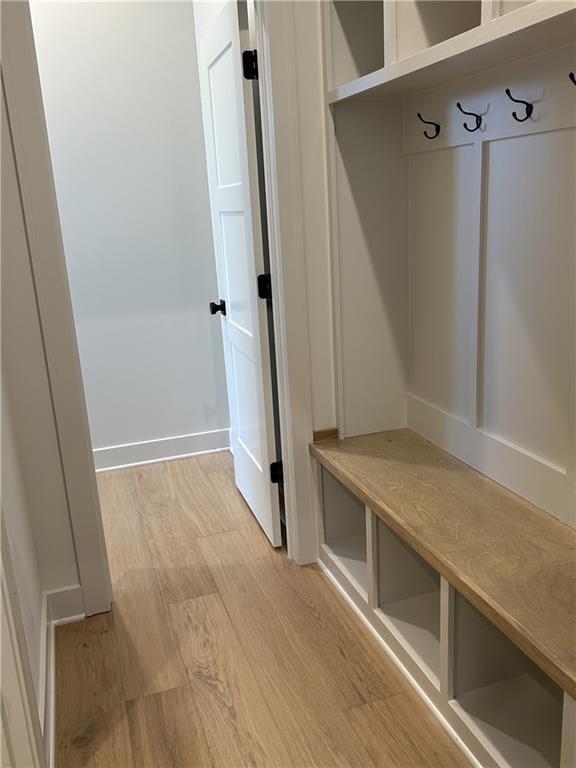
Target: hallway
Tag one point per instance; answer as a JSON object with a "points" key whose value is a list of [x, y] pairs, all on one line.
{"points": [[221, 652]]}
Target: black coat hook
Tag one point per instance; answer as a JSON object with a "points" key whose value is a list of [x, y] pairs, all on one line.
{"points": [[430, 122], [478, 118], [529, 107], [572, 77]]}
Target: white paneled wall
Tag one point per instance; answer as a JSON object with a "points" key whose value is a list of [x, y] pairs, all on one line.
{"points": [[454, 269], [528, 312], [492, 264], [442, 211]]}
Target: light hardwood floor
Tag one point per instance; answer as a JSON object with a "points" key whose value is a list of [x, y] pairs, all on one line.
{"points": [[221, 652]]}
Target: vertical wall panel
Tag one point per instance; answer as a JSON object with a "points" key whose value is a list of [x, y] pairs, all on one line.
{"points": [[443, 195], [528, 357]]}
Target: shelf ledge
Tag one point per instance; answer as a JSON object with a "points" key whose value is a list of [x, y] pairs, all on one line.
{"points": [[525, 32]]}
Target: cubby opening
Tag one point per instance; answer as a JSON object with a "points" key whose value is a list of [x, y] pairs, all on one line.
{"points": [[371, 240], [502, 695], [424, 23], [345, 531], [507, 6], [357, 38], [409, 600]]}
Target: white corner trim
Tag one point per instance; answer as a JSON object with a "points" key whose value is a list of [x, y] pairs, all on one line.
{"points": [[43, 663], [50, 705], [160, 449], [64, 603], [59, 606]]}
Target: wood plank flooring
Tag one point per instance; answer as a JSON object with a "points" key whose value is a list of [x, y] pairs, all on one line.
{"points": [[220, 652]]}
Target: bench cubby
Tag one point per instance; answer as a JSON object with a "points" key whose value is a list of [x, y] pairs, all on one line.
{"points": [[344, 524], [513, 707], [481, 620], [409, 599]]}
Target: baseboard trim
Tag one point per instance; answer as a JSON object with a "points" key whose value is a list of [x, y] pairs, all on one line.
{"points": [[43, 664], [62, 604], [50, 735], [59, 606], [161, 449]]}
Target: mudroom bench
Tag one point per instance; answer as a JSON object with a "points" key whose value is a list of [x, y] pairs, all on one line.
{"points": [[470, 587]]}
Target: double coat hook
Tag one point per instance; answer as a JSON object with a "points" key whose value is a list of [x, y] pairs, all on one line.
{"points": [[572, 77], [529, 107], [430, 122], [477, 118]]}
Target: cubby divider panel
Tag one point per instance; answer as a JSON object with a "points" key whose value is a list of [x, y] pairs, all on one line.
{"points": [[514, 708], [345, 530], [409, 600]]}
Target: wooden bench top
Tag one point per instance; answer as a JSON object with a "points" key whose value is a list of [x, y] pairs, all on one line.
{"points": [[511, 560]]}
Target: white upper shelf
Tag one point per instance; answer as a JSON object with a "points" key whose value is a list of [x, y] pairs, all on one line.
{"points": [[527, 31]]}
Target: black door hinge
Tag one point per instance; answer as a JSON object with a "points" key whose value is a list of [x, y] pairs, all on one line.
{"points": [[276, 472], [250, 65], [265, 286]]}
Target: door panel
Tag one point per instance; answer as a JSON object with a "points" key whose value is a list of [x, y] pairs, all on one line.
{"points": [[233, 179]]}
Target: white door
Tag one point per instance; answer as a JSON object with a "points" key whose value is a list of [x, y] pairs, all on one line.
{"points": [[233, 178]]}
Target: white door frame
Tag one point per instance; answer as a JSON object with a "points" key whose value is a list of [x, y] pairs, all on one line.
{"points": [[271, 26], [34, 168]]}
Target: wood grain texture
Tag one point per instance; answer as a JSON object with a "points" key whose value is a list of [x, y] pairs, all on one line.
{"points": [[315, 729], [196, 494], [262, 672], [401, 732], [148, 656], [92, 725], [236, 720], [151, 486], [176, 556], [166, 731], [503, 554], [149, 660], [325, 634], [331, 433], [125, 543], [216, 461], [224, 487]]}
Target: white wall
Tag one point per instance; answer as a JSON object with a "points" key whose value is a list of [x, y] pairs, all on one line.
{"points": [[122, 105]]}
